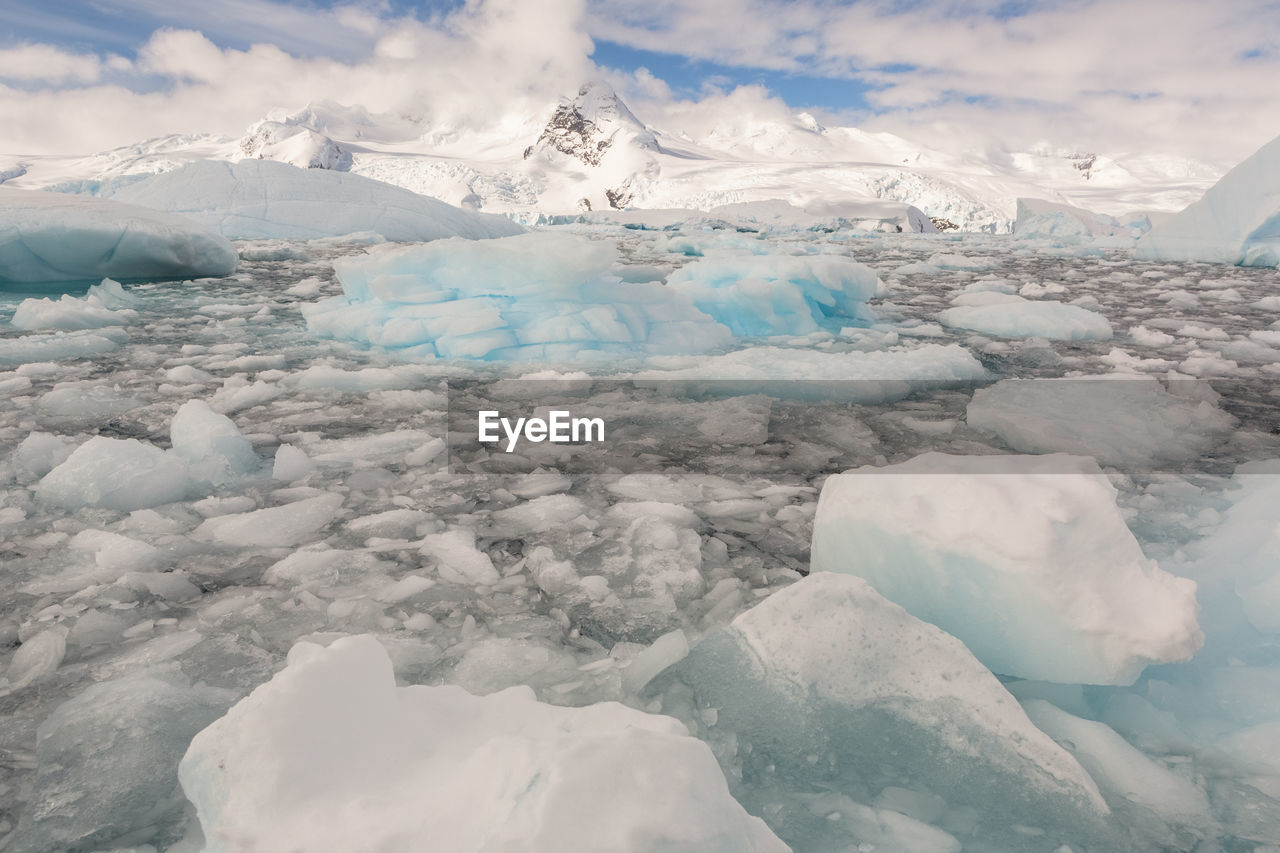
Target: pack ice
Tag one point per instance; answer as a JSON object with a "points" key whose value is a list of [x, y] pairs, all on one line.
{"points": [[1237, 221], [332, 755], [47, 237], [1026, 559], [828, 686], [264, 199], [538, 296], [1011, 316]]}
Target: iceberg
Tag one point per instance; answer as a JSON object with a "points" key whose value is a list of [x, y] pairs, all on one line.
{"points": [[1064, 223], [1026, 559], [49, 237], [760, 295], [106, 304], [332, 755], [532, 297], [1237, 221], [266, 199], [828, 686], [119, 474]]}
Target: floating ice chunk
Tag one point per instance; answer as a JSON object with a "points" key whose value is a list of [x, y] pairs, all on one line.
{"points": [[264, 199], [38, 454], [69, 313], [1129, 780], [291, 464], [945, 261], [1025, 558], [1237, 221], [458, 560], [544, 513], [120, 474], [60, 345], [828, 668], [1120, 421], [332, 755], [1015, 317], [86, 401], [38, 657], [58, 237], [532, 297], [761, 295], [664, 652], [131, 732], [274, 527], [115, 553], [215, 450]]}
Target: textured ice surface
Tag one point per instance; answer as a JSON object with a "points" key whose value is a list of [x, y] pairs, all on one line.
{"points": [[1024, 558], [259, 199], [760, 295], [1237, 221], [1064, 223], [122, 474], [107, 762], [56, 237], [1118, 421], [829, 686], [332, 755], [106, 304], [1015, 317], [532, 297], [214, 449]]}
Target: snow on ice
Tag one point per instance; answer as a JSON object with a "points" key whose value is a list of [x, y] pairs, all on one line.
{"points": [[49, 237], [264, 199], [1025, 558], [1237, 221]]}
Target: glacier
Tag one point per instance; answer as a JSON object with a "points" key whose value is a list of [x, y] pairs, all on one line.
{"points": [[52, 237]]}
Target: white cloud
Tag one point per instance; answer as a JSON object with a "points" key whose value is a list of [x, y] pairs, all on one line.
{"points": [[43, 63], [1186, 78]]}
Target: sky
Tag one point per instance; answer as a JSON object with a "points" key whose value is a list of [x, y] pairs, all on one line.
{"points": [[1176, 78]]}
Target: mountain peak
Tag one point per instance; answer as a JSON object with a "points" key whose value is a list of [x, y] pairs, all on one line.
{"points": [[587, 126]]}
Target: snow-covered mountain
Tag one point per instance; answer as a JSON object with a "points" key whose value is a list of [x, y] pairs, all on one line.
{"points": [[591, 152]]}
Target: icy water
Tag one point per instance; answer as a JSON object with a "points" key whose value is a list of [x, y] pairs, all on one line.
{"points": [[579, 588]]}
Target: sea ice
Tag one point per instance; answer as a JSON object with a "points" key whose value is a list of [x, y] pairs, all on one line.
{"points": [[273, 527], [105, 304], [119, 474], [1015, 317], [332, 755], [773, 294], [1116, 420], [213, 447], [1026, 559], [106, 763], [56, 237], [1237, 221], [265, 199], [826, 685], [538, 296]]}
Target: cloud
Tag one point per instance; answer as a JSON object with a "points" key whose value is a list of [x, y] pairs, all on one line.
{"points": [[1179, 76], [44, 63], [1185, 78]]}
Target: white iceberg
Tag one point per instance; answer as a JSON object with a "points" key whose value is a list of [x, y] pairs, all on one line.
{"points": [[1236, 222], [106, 304], [265, 199], [332, 755], [1026, 559], [1011, 316], [48, 237], [1064, 223]]}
